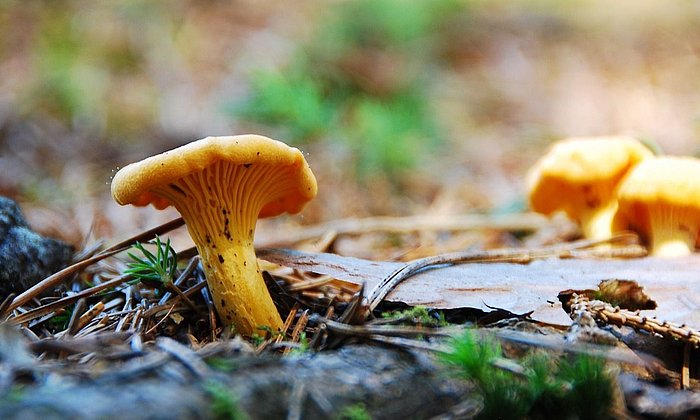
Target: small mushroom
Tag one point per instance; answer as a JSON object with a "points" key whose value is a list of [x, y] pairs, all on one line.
{"points": [[660, 200], [579, 176], [221, 186]]}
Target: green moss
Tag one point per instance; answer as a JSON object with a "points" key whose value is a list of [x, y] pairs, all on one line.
{"points": [[15, 394], [591, 389], [353, 412], [548, 387], [419, 315], [390, 135], [362, 82], [292, 101], [257, 339], [222, 364], [86, 68], [224, 404]]}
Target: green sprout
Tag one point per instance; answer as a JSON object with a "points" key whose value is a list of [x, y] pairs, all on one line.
{"points": [[62, 318], [303, 345], [157, 269], [268, 332]]}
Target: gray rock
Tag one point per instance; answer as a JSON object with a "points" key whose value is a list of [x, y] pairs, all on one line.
{"points": [[25, 256]]}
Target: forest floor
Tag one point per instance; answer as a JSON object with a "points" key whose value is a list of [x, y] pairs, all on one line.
{"points": [[503, 81]]}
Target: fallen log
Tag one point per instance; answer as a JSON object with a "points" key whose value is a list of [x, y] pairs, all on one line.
{"points": [[169, 380]]}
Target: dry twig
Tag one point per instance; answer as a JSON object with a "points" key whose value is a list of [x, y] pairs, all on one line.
{"points": [[519, 256], [63, 275], [516, 222]]}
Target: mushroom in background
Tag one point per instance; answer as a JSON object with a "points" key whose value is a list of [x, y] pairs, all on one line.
{"points": [[660, 200], [221, 186], [579, 176]]}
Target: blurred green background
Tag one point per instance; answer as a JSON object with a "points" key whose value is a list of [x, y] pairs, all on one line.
{"points": [[403, 106]]}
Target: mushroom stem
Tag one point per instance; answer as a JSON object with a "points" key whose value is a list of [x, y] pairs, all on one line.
{"points": [[597, 223], [671, 247], [237, 287], [220, 207], [669, 236]]}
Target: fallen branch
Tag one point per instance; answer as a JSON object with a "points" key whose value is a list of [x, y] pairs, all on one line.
{"points": [[527, 222], [607, 314]]}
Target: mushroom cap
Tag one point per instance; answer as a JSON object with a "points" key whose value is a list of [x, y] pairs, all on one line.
{"points": [[582, 169], [664, 181], [133, 184]]}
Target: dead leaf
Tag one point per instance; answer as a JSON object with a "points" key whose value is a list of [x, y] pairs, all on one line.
{"points": [[626, 294], [673, 283]]}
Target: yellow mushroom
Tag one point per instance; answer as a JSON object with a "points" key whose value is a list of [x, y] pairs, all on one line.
{"points": [[579, 176], [660, 200], [221, 186]]}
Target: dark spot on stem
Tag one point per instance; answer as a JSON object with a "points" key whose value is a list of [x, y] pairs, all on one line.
{"points": [[221, 259], [223, 303], [247, 165], [227, 232]]}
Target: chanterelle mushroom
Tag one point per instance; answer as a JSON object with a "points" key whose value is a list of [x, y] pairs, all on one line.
{"points": [[660, 200], [221, 186], [579, 176]]}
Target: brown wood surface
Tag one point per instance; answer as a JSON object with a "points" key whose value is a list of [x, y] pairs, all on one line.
{"points": [[674, 283]]}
